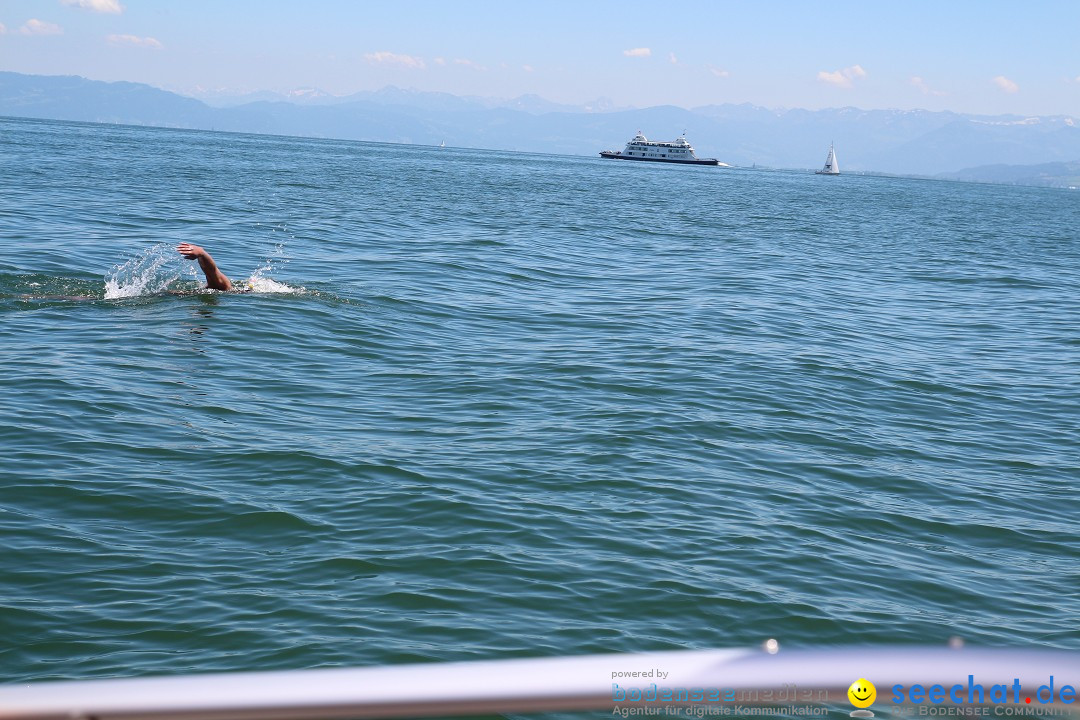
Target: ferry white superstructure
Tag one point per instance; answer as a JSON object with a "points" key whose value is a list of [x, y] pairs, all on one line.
{"points": [[675, 151]]}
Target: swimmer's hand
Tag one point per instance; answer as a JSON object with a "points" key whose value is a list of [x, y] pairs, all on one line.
{"points": [[191, 252]]}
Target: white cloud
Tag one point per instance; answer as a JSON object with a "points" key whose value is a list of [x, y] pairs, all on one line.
{"points": [[99, 6], [672, 59], [925, 89], [1006, 84], [388, 58], [637, 52], [842, 78], [3, 29], [527, 68], [135, 40], [718, 72], [469, 63], [38, 27], [440, 61]]}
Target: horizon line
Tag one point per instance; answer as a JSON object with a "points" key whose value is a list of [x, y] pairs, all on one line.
{"points": [[754, 168]]}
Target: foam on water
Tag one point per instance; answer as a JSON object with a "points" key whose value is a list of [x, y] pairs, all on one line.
{"points": [[258, 283], [151, 272]]}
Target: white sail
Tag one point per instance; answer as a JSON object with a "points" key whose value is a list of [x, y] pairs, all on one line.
{"points": [[831, 168], [830, 162]]}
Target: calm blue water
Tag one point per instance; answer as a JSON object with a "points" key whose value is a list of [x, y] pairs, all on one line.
{"points": [[489, 404]]}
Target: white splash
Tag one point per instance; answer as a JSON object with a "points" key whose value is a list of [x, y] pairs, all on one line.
{"points": [[258, 283], [149, 273], [158, 267]]}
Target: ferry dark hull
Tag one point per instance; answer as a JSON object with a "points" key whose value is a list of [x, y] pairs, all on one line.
{"points": [[620, 156]]}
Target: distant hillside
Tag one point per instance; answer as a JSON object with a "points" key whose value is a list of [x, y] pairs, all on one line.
{"points": [[74, 98], [891, 141], [1057, 174]]}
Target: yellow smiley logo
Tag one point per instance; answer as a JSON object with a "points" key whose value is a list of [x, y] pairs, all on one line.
{"points": [[862, 693]]}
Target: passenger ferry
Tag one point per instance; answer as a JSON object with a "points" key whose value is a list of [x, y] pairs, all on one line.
{"points": [[677, 151]]}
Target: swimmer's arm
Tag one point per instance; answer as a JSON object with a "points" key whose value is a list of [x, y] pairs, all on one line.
{"points": [[215, 279]]}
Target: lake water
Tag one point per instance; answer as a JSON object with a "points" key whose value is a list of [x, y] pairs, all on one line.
{"points": [[487, 404]]}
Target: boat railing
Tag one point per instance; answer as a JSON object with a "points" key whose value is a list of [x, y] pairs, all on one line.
{"points": [[1043, 680]]}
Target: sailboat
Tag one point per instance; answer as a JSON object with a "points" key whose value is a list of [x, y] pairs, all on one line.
{"points": [[831, 168]]}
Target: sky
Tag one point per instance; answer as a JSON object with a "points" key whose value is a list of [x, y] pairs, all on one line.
{"points": [[983, 57]]}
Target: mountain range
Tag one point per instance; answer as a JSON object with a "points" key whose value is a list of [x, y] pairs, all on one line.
{"points": [[912, 142]]}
